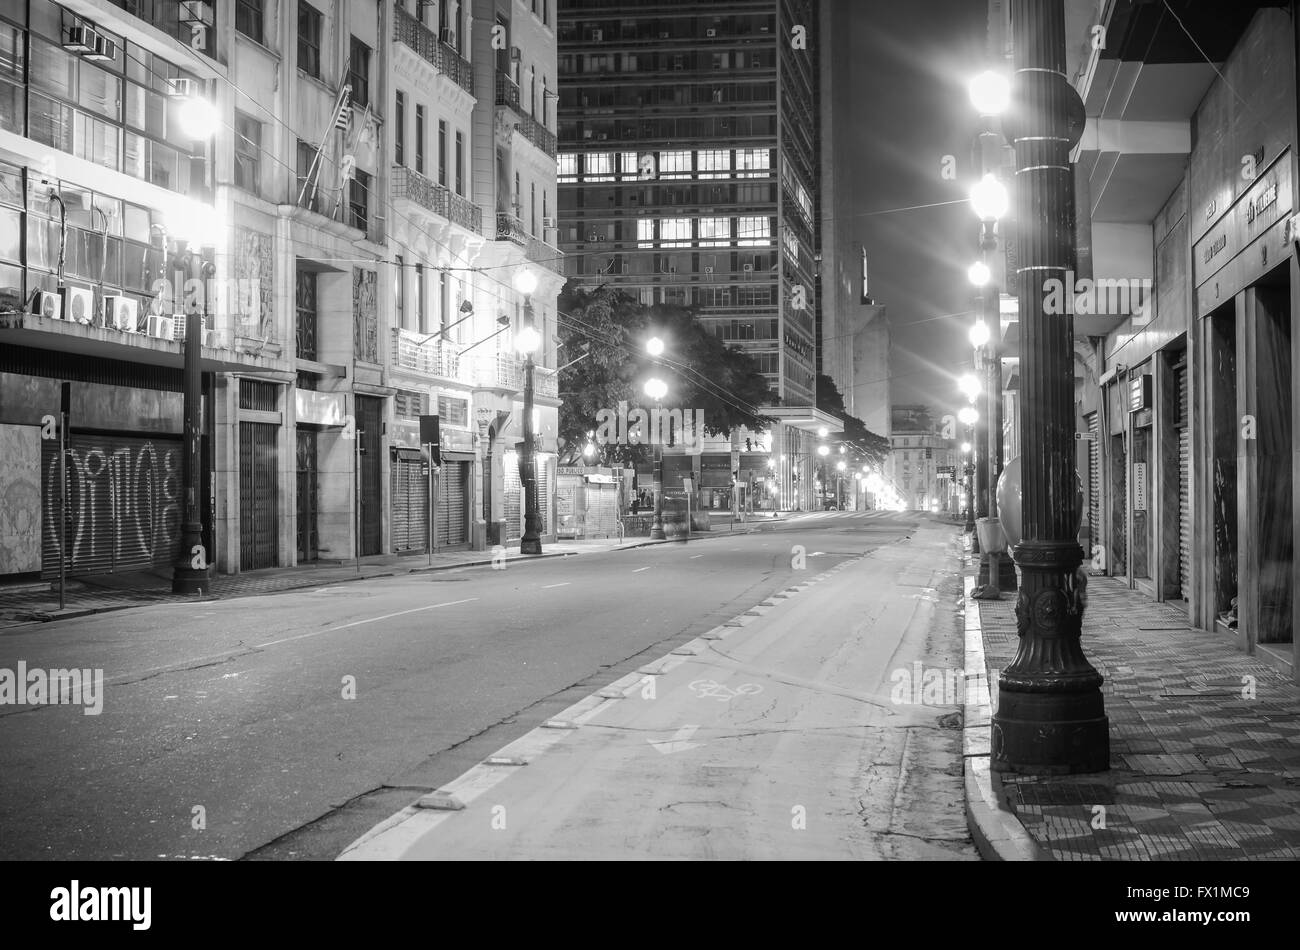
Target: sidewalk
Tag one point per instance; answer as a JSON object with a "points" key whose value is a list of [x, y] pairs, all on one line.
{"points": [[39, 601], [1201, 770]]}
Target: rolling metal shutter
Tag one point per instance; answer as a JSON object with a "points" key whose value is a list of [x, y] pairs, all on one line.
{"points": [[258, 522], [453, 481], [369, 431], [1094, 481], [124, 504], [410, 497], [514, 498], [1184, 486]]}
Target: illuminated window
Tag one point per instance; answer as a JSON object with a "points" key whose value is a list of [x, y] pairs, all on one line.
{"points": [[714, 163], [753, 162], [674, 164], [715, 232], [675, 232], [600, 166], [753, 231], [567, 166], [628, 165], [645, 232]]}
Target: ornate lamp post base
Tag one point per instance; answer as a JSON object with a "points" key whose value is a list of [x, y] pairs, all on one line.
{"points": [[1051, 717]]}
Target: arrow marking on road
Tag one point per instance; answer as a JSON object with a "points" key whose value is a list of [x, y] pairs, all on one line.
{"points": [[678, 743]]}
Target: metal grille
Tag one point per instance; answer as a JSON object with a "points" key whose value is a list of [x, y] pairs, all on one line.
{"points": [[410, 490], [369, 415], [1184, 486], [453, 481], [124, 504], [308, 534], [1094, 481], [258, 523], [258, 394], [305, 315]]}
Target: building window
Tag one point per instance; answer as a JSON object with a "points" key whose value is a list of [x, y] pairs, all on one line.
{"points": [[399, 130], [753, 231], [453, 412], [675, 232], [305, 314], [532, 206], [442, 153], [675, 164], [250, 16], [645, 232], [629, 165], [715, 232], [419, 139], [567, 166], [399, 290], [714, 163], [460, 163], [248, 153], [422, 318], [600, 166], [309, 28], [359, 72], [359, 200], [753, 162]]}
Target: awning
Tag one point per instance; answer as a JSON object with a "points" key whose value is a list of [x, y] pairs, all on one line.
{"points": [[404, 454], [807, 418]]}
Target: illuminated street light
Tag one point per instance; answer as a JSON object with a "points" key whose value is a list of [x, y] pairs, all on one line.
{"points": [[198, 118], [840, 465], [969, 386], [968, 415], [990, 92], [656, 388], [823, 432], [525, 282], [979, 274], [965, 448], [654, 346], [979, 333], [527, 340], [823, 450], [989, 198]]}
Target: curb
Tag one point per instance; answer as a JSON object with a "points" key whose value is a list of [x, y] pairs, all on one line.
{"points": [[998, 833]]}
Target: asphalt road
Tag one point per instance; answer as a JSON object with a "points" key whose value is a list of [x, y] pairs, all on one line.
{"points": [[284, 726]]}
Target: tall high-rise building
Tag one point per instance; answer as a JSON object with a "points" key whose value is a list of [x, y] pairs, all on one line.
{"points": [[688, 167]]}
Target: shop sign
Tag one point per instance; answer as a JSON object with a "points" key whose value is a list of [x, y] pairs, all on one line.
{"points": [[1139, 486]]}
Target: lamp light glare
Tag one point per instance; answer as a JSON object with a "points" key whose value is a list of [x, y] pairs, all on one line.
{"points": [[989, 198], [990, 92]]}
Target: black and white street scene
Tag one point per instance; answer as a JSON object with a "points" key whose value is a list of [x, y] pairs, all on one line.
{"points": [[597, 430]]}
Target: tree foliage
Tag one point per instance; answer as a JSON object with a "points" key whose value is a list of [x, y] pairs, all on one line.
{"points": [[872, 447], [611, 328]]}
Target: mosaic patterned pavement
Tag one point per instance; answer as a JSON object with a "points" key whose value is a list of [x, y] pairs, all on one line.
{"points": [[1205, 743]]}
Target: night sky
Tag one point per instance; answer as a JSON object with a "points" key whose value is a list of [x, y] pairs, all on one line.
{"points": [[910, 107]]}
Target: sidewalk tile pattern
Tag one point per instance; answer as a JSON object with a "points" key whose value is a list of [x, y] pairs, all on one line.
{"points": [[1201, 769]]}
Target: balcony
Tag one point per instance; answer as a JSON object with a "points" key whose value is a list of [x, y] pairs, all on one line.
{"points": [[510, 228], [546, 255], [507, 96], [430, 356], [425, 43], [431, 196], [506, 371]]}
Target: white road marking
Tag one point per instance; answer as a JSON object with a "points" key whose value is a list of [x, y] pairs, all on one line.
{"points": [[358, 623], [694, 556], [549, 586], [640, 569]]}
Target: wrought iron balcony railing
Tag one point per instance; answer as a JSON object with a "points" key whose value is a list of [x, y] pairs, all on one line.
{"points": [[410, 31], [430, 357], [437, 198], [507, 95], [510, 228]]}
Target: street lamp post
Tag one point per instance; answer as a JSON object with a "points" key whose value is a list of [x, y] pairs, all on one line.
{"points": [[656, 389], [1051, 717], [198, 223], [527, 341]]}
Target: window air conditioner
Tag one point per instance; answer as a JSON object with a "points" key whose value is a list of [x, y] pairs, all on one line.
{"points": [[78, 304], [161, 328], [597, 36], [748, 268], [516, 54], [48, 305], [548, 223], [182, 88], [710, 33], [121, 313], [192, 11], [663, 36], [81, 39], [593, 237], [105, 49]]}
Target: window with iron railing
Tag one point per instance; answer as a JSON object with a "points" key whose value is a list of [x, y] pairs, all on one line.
{"points": [[305, 314]]}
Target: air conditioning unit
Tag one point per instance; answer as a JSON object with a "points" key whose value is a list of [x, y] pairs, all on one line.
{"points": [[81, 39], [516, 54], [597, 36], [47, 305], [593, 237], [105, 49], [672, 269], [78, 304], [679, 66], [548, 223], [192, 11], [602, 136], [710, 33], [447, 35], [182, 88], [161, 328], [748, 268], [708, 269], [121, 313], [663, 36]]}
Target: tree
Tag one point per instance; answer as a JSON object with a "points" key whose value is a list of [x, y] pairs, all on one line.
{"points": [[871, 447], [603, 333]]}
